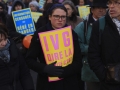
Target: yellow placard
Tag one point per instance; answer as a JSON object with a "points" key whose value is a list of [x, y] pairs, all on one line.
{"points": [[83, 11], [57, 46], [36, 15]]}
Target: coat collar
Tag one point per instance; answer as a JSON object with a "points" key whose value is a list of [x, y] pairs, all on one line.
{"points": [[90, 19], [113, 29]]}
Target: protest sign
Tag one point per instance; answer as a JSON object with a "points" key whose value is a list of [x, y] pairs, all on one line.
{"points": [[23, 21], [57, 45], [83, 11], [36, 15], [41, 3]]}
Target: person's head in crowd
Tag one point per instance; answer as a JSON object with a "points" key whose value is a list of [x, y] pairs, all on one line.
{"points": [[71, 9], [3, 36], [57, 16], [98, 8], [81, 2], [34, 6], [114, 8], [17, 5]]}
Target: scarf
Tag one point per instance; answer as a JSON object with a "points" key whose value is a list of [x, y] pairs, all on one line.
{"points": [[117, 23], [4, 53]]}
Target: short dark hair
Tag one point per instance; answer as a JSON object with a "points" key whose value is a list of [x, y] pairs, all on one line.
{"points": [[3, 30], [56, 6]]}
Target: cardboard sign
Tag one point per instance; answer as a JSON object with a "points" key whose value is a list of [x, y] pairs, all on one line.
{"points": [[57, 46], [23, 21]]}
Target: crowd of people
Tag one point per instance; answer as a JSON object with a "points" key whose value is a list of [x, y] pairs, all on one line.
{"points": [[96, 49]]}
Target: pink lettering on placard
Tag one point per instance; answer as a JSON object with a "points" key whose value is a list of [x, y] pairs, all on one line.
{"points": [[66, 39], [56, 56], [66, 55], [49, 57], [61, 55], [55, 41], [46, 44], [70, 51], [52, 57]]}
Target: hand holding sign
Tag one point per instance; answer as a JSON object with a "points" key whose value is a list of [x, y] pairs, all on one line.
{"points": [[52, 70]]}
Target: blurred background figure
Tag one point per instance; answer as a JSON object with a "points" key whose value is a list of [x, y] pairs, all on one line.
{"points": [[72, 19], [43, 20], [9, 6], [34, 6], [84, 29], [3, 14]]}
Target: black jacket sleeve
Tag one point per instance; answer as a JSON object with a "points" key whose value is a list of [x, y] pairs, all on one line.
{"points": [[94, 53], [33, 53], [76, 65], [11, 28]]}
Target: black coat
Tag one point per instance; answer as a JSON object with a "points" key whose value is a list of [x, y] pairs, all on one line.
{"points": [[15, 73], [70, 78], [104, 49], [11, 28]]}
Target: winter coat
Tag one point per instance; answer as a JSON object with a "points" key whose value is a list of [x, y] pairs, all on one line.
{"points": [[104, 49], [10, 23], [87, 74], [70, 75], [15, 73]]}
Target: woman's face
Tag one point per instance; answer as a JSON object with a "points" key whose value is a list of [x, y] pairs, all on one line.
{"points": [[18, 7], [69, 9], [3, 41], [33, 8], [58, 18], [81, 2]]}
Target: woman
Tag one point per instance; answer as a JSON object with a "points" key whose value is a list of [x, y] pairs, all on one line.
{"points": [[34, 6], [13, 69], [73, 19], [57, 19]]}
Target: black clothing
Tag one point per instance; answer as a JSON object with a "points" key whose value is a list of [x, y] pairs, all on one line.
{"points": [[70, 79]]}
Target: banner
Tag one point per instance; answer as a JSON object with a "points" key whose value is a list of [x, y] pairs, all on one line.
{"points": [[23, 21], [41, 3], [57, 45], [36, 15], [83, 11]]}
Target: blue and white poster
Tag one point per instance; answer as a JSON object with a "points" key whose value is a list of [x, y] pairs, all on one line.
{"points": [[23, 21], [41, 3]]}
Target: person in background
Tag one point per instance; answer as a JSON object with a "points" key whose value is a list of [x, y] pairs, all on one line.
{"points": [[3, 14], [72, 19], [83, 30], [9, 6], [34, 6], [82, 3], [13, 69], [104, 48], [43, 20], [17, 5], [68, 75], [18, 37]]}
